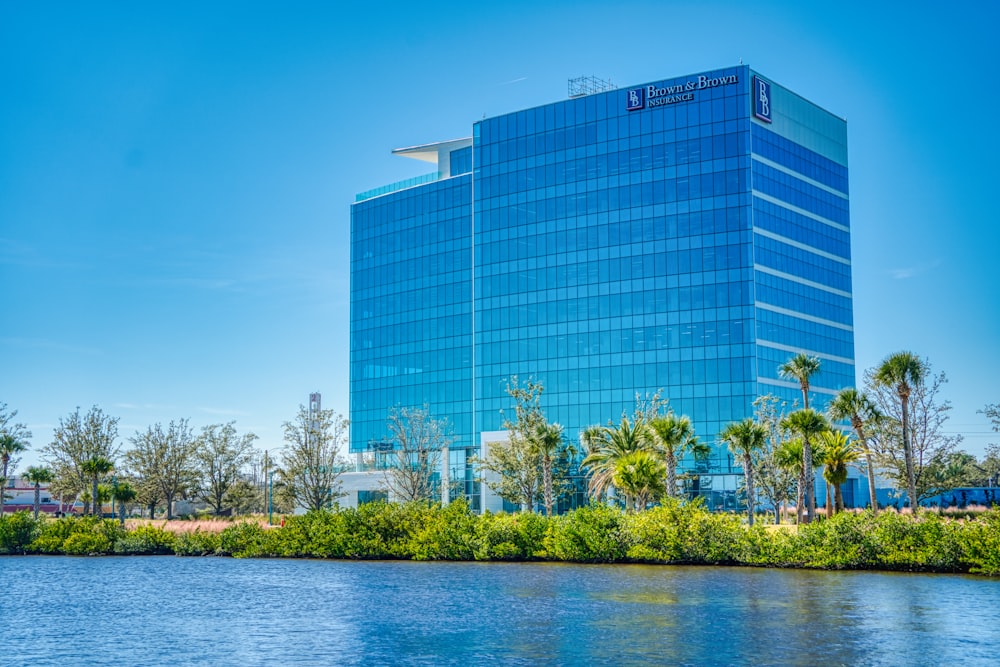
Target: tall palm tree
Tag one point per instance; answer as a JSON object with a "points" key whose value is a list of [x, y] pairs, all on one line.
{"points": [[38, 475], [548, 439], [808, 424], [123, 492], [800, 368], [839, 452], [744, 438], [605, 447], [860, 410], [10, 445], [639, 475], [96, 468], [672, 437], [903, 371]]}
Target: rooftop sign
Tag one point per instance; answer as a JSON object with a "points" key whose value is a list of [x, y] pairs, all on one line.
{"points": [[658, 96]]}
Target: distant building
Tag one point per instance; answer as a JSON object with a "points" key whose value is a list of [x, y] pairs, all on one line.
{"points": [[689, 234]]}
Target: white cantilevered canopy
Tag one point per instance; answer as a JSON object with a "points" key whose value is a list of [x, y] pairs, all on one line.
{"points": [[436, 153]]}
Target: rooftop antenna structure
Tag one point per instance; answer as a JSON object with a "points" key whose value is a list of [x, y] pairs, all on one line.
{"points": [[588, 85]]}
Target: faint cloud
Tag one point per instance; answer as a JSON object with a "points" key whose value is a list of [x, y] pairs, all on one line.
{"points": [[142, 406], [45, 344], [517, 80], [913, 271], [224, 412]]}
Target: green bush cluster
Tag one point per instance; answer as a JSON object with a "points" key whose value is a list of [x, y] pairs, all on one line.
{"points": [[674, 533]]}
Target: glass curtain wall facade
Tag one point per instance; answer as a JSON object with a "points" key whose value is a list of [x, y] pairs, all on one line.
{"points": [[671, 238]]}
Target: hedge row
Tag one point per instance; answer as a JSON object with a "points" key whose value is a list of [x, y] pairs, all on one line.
{"points": [[674, 533]]}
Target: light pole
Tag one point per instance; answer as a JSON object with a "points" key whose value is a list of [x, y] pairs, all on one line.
{"points": [[270, 495]]}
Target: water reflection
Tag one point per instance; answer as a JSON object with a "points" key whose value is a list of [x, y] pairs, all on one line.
{"points": [[185, 611]]}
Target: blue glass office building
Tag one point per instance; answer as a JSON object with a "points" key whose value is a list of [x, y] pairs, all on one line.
{"points": [[687, 235]]}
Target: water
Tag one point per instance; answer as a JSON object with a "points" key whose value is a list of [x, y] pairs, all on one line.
{"points": [[219, 611]]}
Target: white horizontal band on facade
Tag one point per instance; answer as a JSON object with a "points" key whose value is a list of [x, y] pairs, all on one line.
{"points": [[795, 385], [796, 350], [800, 246], [803, 316], [795, 174], [800, 211], [801, 281]]}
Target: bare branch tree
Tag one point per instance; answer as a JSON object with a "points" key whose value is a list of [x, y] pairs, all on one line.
{"points": [[164, 459], [311, 467], [418, 443]]}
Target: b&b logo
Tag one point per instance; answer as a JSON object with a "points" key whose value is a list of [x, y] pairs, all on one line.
{"points": [[762, 99], [636, 99]]}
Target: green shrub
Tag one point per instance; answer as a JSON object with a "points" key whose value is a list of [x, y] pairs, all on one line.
{"points": [[446, 534], [145, 540], [979, 541], [248, 540], [87, 544], [197, 543], [509, 537], [17, 531], [591, 534]]}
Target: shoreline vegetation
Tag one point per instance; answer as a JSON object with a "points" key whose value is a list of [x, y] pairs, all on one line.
{"points": [[673, 534]]}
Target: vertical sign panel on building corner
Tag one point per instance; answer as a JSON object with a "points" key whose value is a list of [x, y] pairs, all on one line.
{"points": [[762, 99]]}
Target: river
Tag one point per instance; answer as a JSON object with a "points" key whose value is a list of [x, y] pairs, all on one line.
{"points": [[221, 611]]}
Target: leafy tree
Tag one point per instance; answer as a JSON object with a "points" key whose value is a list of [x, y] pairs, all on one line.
{"points": [[856, 407], [244, 497], [800, 368], [606, 445], [839, 453], [673, 436], [911, 456], [640, 475], [744, 438], [992, 412], [902, 372], [123, 493], [76, 440], [311, 469], [556, 455], [165, 459], [37, 475], [773, 474], [533, 463], [419, 443], [221, 456], [96, 468], [808, 424], [14, 438]]}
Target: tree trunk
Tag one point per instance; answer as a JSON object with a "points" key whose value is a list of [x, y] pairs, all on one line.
{"points": [[96, 500], [839, 498], [829, 501], [547, 478], [810, 479], [671, 473], [748, 474], [121, 513], [800, 495], [908, 451], [38, 493]]}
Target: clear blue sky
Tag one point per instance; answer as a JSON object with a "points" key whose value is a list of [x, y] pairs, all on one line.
{"points": [[175, 181]]}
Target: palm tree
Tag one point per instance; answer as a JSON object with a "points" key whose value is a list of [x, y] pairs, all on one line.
{"points": [[744, 438], [673, 436], [639, 475], [548, 439], [122, 492], [97, 467], [800, 368], [605, 446], [10, 445], [789, 457], [903, 371], [38, 475], [808, 424], [839, 452], [856, 406]]}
